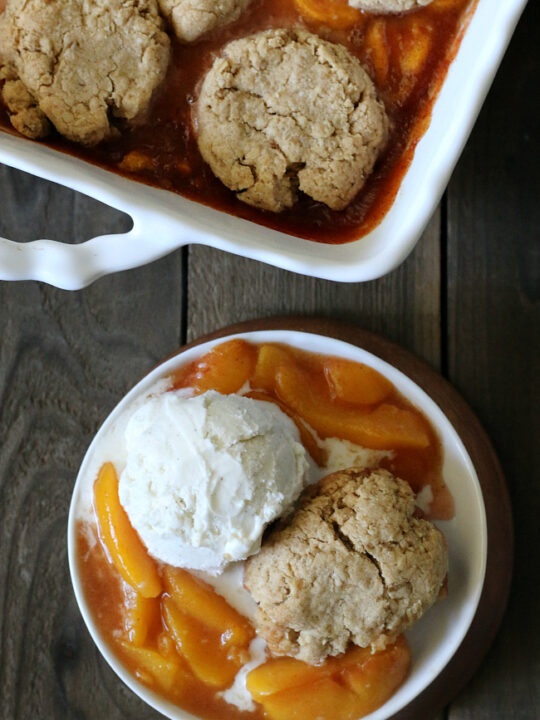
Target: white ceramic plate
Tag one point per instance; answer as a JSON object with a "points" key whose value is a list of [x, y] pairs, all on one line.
{"points": [[164, 221], [435, 639]]}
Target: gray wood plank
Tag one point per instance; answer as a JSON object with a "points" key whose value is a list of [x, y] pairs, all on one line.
{"points": [[31, 208], [404, 306], [493, 342], [65, 361]]}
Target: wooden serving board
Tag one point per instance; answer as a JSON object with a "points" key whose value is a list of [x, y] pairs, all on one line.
{"points": [[495, 494]]}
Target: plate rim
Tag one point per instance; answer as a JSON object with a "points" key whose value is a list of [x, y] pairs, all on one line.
{"points": [[499, 552]]}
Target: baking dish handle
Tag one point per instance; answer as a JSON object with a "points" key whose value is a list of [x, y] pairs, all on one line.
{"points": [[72, 267]]}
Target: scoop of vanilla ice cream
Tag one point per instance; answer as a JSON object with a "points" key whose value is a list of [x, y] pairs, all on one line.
{"points": [[205, 475]]}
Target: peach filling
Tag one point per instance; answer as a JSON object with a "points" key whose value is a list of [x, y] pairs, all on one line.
{"points": [[225, 369], [342, 688], [336, 14], [179, 635], [125, 548], [173, 631], [207, 637]]}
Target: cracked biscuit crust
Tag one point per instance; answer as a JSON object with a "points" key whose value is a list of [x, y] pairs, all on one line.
{"points": [[389, 6], [190, 19], [82, 62], [25, 115], [284, 110], [352, 565]]}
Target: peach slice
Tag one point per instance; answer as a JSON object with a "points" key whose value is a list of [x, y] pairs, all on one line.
{"points": [[269, 360], [165, 672], [378, 677], [386, 427], [377, 47], [166, 646], [354, 383], [279, 674], [336, 14], [135, 161], [321, 700], [208, 659], [307, 438], [142, 615], [414, 46], [225, 368], [126, 550], [342, 688], [201, 601]]}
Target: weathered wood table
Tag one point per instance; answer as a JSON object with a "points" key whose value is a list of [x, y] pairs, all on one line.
{"points": [[466, 301]]}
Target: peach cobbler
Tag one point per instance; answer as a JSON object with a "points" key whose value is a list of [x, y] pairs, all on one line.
{"points": [[252, 544], [301, 115]]}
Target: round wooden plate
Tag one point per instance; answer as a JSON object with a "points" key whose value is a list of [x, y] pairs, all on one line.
{"points": [[495, 494]]}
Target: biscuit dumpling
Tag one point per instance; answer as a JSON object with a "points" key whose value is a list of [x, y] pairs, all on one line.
{"points": [[353, 564], [83, 64], [284, 110], [190, 19], [389, 6]]}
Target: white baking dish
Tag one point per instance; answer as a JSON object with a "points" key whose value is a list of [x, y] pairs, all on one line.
{"points": [[164, 221]]}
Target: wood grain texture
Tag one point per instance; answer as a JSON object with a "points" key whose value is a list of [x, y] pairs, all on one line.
{"points": [[31, 208], [65, 361], [494, 350], [404, 306]]}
